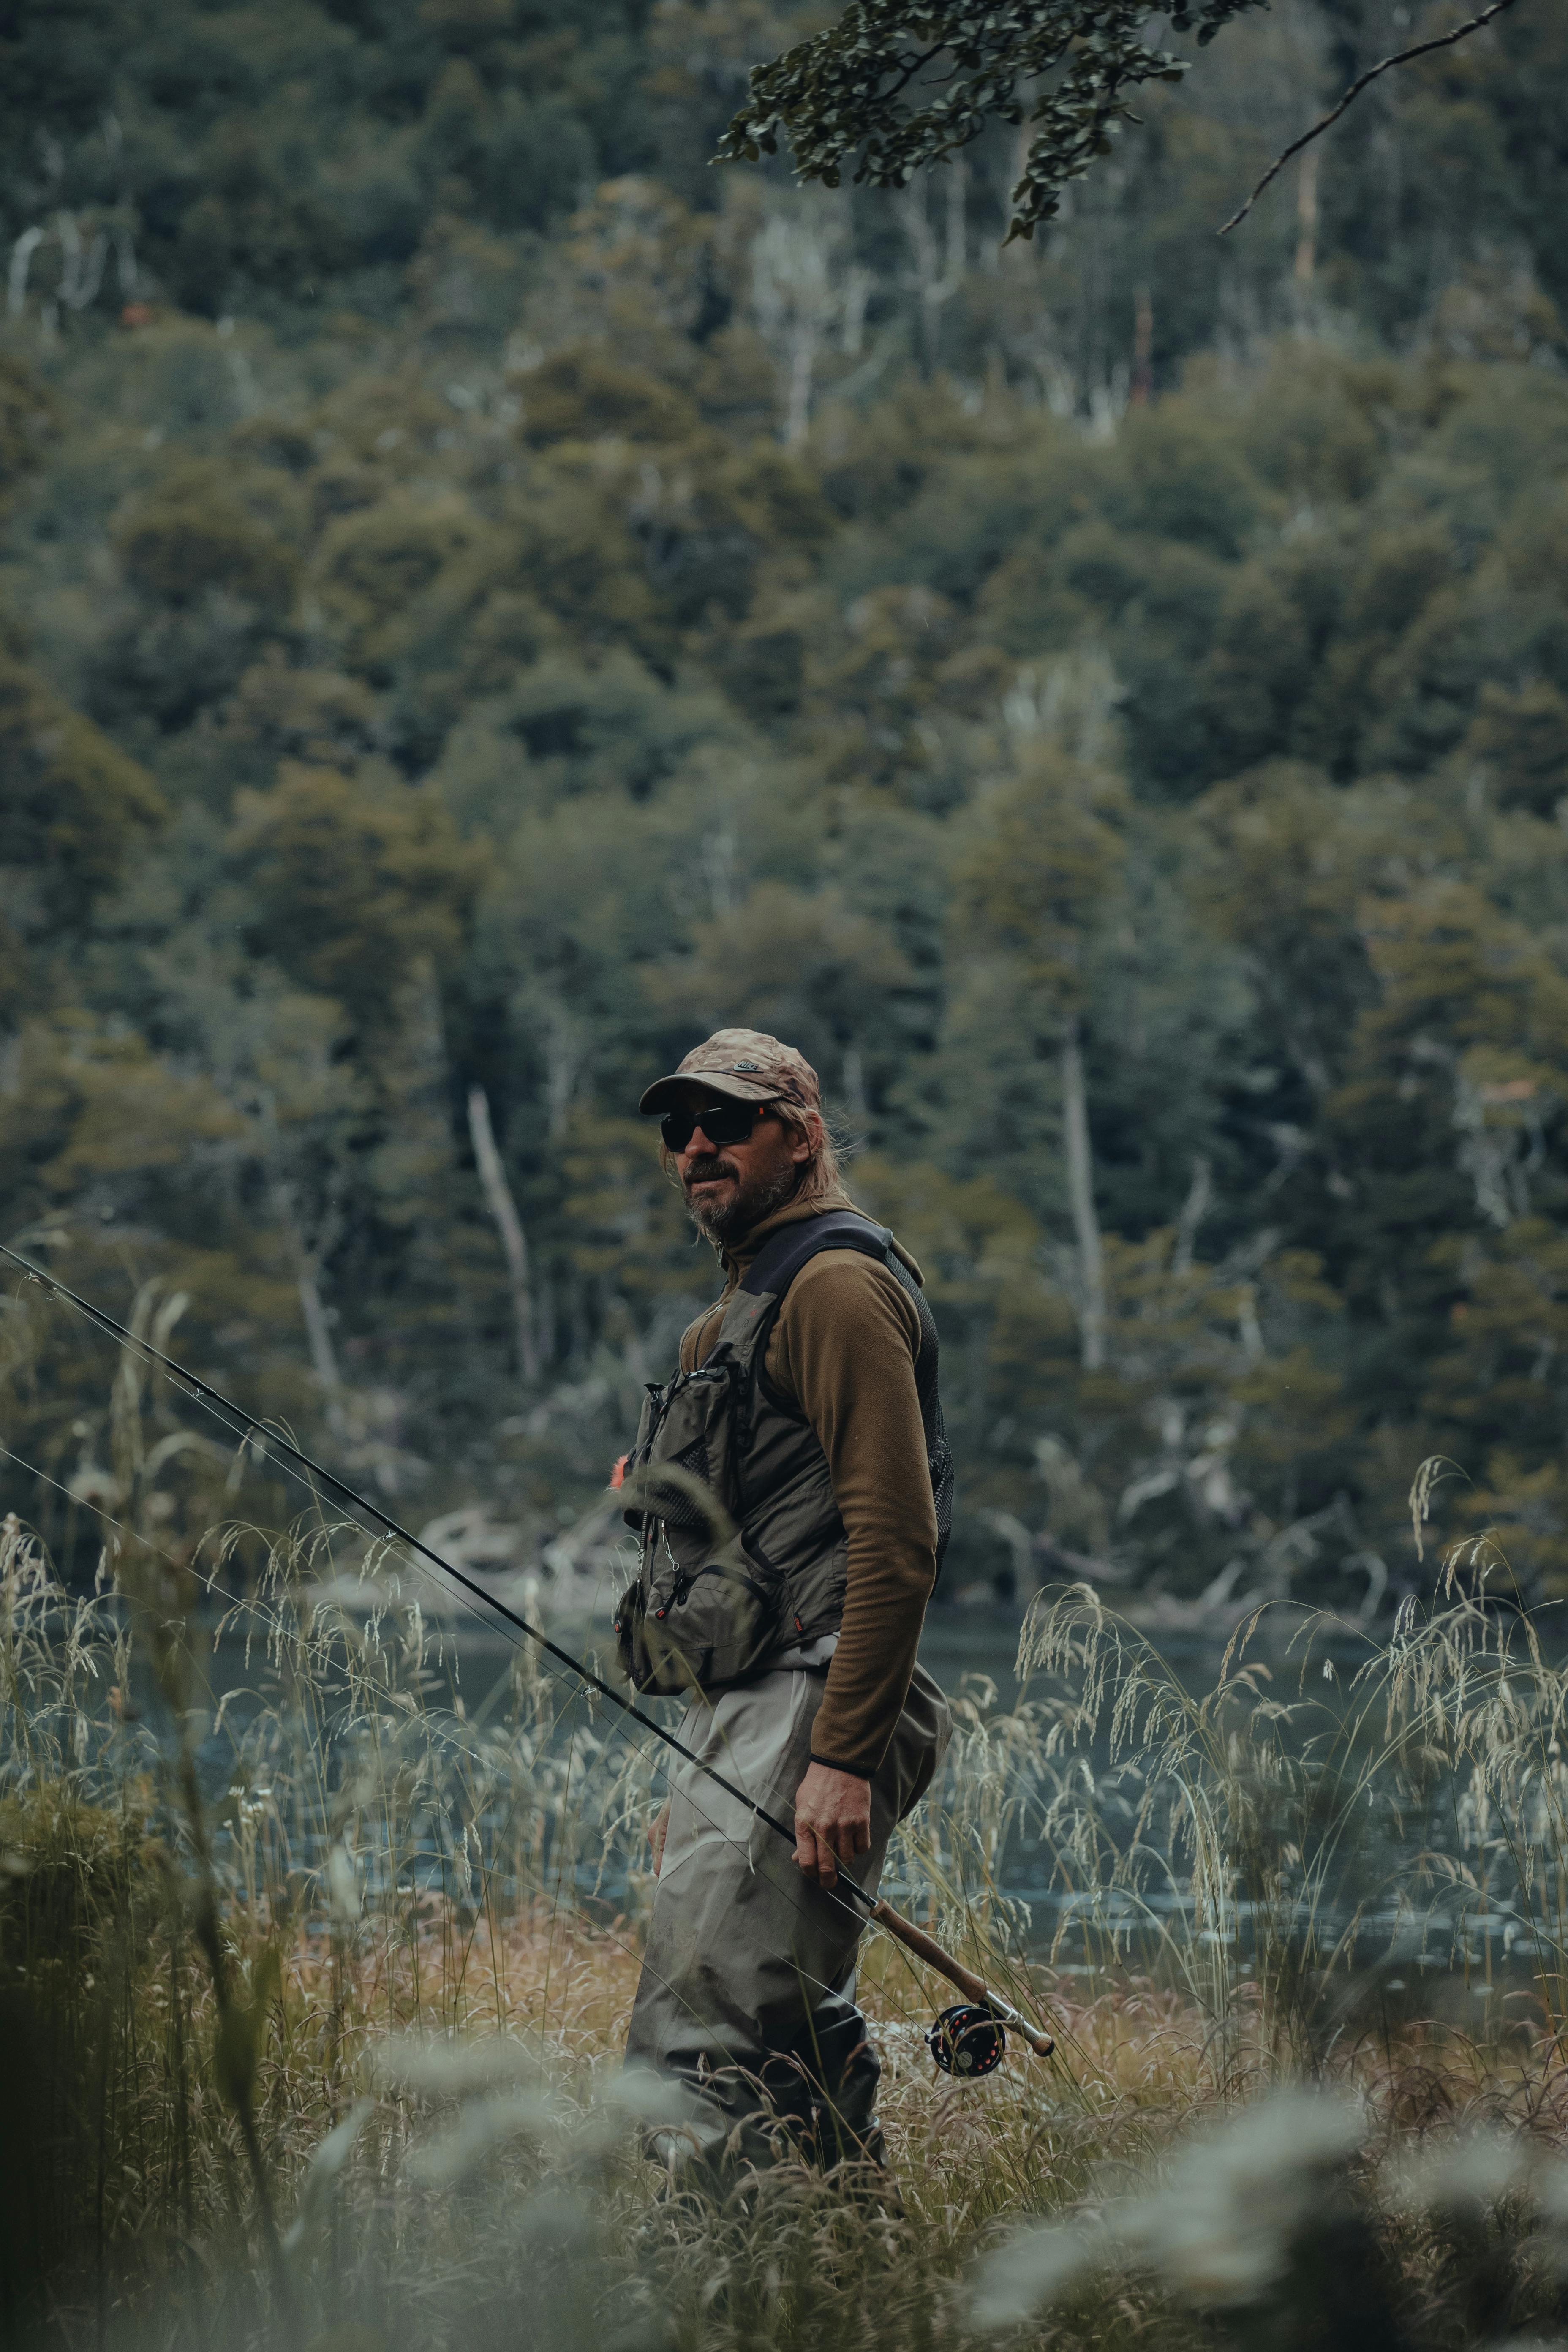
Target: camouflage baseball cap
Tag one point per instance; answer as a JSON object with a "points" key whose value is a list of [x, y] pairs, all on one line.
{"points": [[744, 1065]]}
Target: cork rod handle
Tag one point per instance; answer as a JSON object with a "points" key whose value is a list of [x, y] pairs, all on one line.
{"points": [[926, 1947]]}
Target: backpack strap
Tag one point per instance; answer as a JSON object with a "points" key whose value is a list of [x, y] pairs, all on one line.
{"points": [[784, 1254]]}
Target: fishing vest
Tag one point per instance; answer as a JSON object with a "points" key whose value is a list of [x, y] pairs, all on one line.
{"points": [[742, 1553]]}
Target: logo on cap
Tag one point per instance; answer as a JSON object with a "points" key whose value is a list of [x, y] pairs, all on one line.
{"points": [[745, 1066]]}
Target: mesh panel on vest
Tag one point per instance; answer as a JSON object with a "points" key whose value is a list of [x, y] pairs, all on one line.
{"points": [[674, 1503]]}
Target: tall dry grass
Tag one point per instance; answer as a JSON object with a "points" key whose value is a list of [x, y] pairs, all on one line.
{"points": [[318, 1929]]}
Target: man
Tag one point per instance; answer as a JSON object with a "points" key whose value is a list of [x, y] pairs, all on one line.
{"points": [[791, 1488]]}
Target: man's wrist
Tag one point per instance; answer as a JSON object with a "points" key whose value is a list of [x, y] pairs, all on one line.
{"points": [[832, 1764]]}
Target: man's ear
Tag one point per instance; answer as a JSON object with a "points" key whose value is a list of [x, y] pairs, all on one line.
{"points": [[804, 1147]]}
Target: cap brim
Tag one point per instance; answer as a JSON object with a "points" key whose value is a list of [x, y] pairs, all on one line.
{"points": [[664, 1092]]}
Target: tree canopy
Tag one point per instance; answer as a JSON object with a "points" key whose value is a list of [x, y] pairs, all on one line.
{"points": [[486, 600]]}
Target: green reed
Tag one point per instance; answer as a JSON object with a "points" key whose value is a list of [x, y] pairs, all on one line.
{"points": [[316, 1944]]}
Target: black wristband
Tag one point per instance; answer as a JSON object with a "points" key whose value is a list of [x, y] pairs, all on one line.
{"points": [[859, 1771]]}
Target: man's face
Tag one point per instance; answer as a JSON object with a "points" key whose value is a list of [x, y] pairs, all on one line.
{"points": [[731, 1187]]}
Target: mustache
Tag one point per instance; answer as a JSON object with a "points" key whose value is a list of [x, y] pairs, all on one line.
{"points": [[700, 1170]]}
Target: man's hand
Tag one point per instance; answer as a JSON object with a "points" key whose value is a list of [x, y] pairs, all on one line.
{"points": [[658, 1830], [832, 1821]]}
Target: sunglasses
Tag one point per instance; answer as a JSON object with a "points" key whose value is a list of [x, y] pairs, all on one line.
{"points": [[721, 1123]]}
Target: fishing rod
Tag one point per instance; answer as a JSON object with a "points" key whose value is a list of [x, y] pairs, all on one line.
{"points": [[964, 2042]]}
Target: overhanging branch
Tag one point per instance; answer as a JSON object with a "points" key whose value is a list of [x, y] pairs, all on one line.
{"points": [[1421, 50]]}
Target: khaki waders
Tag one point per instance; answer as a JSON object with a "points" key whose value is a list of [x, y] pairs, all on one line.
{"points": [[746, 1996]]}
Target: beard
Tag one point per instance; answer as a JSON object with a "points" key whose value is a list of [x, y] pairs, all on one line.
{"points": [[723, 1222]]}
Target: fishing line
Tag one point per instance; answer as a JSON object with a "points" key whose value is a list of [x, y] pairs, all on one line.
{"points": [[237, 1601], [247, 1428], [243, 1425], [248, 1425]]}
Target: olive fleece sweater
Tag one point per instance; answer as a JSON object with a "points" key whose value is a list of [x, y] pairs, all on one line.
{"points": [[844, 1348]]}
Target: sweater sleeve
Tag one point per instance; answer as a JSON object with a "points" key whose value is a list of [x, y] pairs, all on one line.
{"points": [[845, 1348]]}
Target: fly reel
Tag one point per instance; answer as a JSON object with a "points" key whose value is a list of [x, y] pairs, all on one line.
{"points": [[967, 2040]]}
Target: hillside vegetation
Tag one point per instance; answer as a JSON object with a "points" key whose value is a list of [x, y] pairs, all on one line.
{"points": [[487, 599]]}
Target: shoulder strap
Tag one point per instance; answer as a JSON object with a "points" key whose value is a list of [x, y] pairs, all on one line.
{"points": [[784, 1254]]}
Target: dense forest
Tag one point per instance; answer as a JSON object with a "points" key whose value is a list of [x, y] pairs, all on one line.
{"points": [[485, 598]]}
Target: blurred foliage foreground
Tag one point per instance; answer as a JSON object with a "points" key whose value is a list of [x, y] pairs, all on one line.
{"points": [[485, 599], [314, 1970]]}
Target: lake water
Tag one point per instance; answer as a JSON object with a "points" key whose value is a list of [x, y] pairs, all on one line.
{"points": [[1488, 1936]]}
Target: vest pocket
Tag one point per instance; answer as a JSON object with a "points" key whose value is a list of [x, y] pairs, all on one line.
{"points": [[702, 1627]]}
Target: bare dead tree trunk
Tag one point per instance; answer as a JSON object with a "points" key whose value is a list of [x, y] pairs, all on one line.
{"points": [[22, 252], [509, 1225], [81, 274], [956, 259], [124, 245], [796, 296], [859, 285], [1080, 1199], [721, 849], [1194, 1210], [319, 1340], [801, 373], [937, 278], [1306, 218], [566, 1052], [1142, 347], [309, 1255], [307, 1264]]}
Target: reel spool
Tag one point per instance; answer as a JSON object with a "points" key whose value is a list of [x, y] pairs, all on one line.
{"points": [[967, 2040]]}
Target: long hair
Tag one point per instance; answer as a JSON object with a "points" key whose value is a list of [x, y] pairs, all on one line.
{"points": [[821, 1184]]}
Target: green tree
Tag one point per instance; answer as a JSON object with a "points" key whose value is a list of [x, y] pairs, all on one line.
{"points": [[1045, 859], [73, 808], [356, 885]]}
